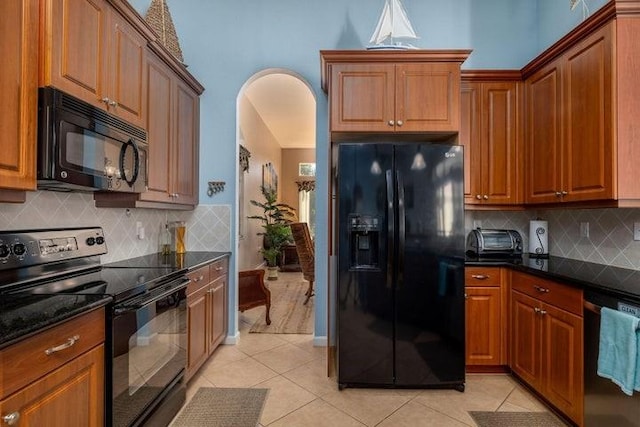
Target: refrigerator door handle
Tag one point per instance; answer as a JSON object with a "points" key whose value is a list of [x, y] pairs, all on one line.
{"points": [[401, 228], [390, 226]]}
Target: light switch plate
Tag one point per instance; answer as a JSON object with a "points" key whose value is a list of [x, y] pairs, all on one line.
{"points": [[636, 231], [584, 229]]}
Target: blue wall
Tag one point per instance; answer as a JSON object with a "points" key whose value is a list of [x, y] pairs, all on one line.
{"points": [[225, 42], [555, 19]]}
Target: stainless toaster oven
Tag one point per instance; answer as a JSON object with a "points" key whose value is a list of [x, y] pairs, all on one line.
{"points": [[494, 242]]}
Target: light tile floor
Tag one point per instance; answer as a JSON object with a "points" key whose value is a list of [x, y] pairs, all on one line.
{"points": [[301, 394]]}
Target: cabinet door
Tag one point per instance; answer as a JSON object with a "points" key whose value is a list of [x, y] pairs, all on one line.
{"points": [[362, 97], [18, 85], [197, 330], [126, 71], [185, 147], [427, 97], [563, 361], [544, 135], [159, 128], [72, 395], [499, 149], [218, 295], [469, 137], [588, 168], [76, 60], [483, 325], [526, 339]]}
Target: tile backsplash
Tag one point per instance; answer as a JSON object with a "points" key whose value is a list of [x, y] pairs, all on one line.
{"points": [[208, 226], [610, 238]]}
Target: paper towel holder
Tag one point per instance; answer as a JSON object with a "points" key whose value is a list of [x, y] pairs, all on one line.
{"points": [[538, 239]]}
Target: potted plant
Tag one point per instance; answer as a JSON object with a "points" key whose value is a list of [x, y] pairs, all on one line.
{"points": [[275, 221]]}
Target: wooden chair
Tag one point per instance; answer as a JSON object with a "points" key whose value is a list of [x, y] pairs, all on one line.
{"points": [[252, 291], [306, 254]]}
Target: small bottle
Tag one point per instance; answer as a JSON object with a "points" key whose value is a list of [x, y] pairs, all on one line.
{"points": [[165, 240]]}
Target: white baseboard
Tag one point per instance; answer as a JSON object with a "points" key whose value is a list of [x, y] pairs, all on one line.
{"points": [[320, 341], [232, 339]]}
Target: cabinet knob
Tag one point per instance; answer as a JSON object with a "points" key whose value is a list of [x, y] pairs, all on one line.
{"points": [[564, 193], [218, 268], [536, 310], [400, 123], [113, 103], [558, 194], [466, 296], [70, 342], [543, 312], [391, 123], [479, 197], [105, 100], [485, 197], [11, 418]]}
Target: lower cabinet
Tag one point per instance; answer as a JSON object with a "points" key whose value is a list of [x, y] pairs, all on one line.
{"points": [[206, 313], [485, 318], [56, 378], [547, 341]]}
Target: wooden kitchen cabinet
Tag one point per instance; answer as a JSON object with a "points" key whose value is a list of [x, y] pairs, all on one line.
{"points": [[485, 318], [206, 313], [63, 388], [19, 87], [490, 133], [173, 111], [547, 341], [109, 73], [386, 92]]}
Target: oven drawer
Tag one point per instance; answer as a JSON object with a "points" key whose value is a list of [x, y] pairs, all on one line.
{"points": [[199, 278], [562, 296], [218, 268], [27, 360]]}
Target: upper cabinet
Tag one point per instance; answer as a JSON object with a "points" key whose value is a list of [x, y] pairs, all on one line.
{"points": [[109, 72], [412, 91], [581, 109], [19, 88], [490, 133]]}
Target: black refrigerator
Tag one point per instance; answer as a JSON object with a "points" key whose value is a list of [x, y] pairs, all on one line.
{"points": [[400, 248]]}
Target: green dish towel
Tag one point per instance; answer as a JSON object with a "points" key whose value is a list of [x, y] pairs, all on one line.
{"points": [[618, 357]]}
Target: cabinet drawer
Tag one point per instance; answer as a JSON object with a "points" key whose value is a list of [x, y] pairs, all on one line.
{"points": [[27, 360], [562, 296], [199, 278], [218, 268], [482, 276]]}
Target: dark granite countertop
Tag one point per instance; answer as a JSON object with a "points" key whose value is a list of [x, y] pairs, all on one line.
{"points": [[621, 282], [23, 315], [187, 261]]}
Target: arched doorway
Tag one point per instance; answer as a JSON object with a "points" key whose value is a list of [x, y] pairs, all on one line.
{"points": [[276, 132]]}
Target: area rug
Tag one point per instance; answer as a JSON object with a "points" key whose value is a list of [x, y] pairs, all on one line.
{"points": [[513, 419], [223, 407], [288, 313]]}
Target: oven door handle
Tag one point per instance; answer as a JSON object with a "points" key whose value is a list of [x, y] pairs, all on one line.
{"points": [[151, 299]]}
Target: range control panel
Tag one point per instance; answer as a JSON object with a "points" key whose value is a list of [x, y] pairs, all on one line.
{"points": [[24, 248]]}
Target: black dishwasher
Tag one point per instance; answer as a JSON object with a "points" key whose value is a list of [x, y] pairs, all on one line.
{"points": [[604, 403]]}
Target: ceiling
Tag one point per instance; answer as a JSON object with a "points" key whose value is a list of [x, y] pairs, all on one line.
{"points": [[287, 107]]}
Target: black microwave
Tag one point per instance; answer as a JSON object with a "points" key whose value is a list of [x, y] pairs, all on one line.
{"points": [[83, 148]]}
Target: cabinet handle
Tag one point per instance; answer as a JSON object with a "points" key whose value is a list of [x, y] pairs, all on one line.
{"points": [[391, 123], [480, 276], [485, 197], [400, 123], [543, 312], [541, 289], [218, 268], [70, 342], [564, 193], [479, 197], [113, 103], [11, 418]]}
